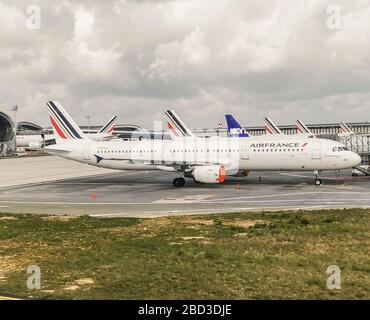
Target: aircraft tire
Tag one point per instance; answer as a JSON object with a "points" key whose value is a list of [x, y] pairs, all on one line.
{"points": [[178, 182]]}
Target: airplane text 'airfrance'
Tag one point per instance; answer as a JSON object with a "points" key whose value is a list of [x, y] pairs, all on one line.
{"points": [[275, 145]]}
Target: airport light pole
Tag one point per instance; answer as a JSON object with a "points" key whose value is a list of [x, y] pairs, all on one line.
{"points": [[15, 110]]}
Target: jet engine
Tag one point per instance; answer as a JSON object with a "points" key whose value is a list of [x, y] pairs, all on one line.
{"points": [[34, 145], [209, 174]]}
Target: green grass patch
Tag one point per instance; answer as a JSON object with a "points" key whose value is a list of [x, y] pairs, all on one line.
{"points": [[267, 255]]}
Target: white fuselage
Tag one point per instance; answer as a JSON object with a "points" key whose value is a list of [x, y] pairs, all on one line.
{"points": [[32, 140], [36, 140], [284, 153]]}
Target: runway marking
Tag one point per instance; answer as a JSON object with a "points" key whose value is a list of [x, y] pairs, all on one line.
{"points": [[291, 194], [186, 199]]}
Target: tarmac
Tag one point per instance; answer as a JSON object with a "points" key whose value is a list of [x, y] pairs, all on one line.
{"points": [[79, 189]]}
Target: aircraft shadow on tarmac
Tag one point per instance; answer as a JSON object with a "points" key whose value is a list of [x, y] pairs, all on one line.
{"points": [[161, 179]]}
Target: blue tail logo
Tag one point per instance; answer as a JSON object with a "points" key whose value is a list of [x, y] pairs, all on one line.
{"points": [[234, 129]]}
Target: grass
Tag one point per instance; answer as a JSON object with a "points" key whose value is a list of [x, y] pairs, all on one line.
{"points": [[270, 255]]}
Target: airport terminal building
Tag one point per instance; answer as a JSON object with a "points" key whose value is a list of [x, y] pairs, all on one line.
{"points": [[7, 135]]}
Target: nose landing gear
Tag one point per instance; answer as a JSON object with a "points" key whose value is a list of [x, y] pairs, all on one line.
{"points": [[178, 182], [318, 181]]}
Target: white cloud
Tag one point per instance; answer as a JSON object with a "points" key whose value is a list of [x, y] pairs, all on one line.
{"points": [[206, 58]]}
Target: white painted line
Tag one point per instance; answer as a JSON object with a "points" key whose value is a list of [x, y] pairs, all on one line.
{"points": [[291, 194]]}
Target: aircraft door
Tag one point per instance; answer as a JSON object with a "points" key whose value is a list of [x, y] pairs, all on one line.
{"points": [[86, 155], [244, 155], [316, 150]]}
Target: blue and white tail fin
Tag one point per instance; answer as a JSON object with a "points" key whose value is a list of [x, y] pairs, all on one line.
{"points": [[271, 127], [109, 126], [234, 129], [176, 126], [302, 128], [345, 129], [63, 125]]}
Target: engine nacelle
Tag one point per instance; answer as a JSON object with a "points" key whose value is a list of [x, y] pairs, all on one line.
{"points": [[34, 145], [209, 174]]}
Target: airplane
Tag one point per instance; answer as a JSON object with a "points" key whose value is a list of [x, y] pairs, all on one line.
{"points": [[33, 141], [206, 160]]}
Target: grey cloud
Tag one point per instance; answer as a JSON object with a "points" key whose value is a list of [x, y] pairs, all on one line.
{"points": [[202, 58]]}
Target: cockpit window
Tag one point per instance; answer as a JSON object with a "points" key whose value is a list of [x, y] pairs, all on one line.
{"points": [[335, 149]]}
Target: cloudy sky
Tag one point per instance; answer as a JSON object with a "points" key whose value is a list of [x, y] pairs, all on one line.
{"points": [[287, 59]]}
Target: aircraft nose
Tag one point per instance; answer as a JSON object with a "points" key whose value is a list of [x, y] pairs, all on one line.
{"points": [[355, 159]]}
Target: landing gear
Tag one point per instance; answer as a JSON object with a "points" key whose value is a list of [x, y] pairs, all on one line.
{"points": [[318, 181], [178, 182]]}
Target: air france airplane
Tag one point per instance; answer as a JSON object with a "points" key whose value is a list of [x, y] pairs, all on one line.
{"points": [[206, 160], [34, 141], [271, 127], [345, 130], [302, 128], [176, 126]]}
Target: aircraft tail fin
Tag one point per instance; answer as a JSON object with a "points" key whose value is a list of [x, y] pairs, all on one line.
{"points": [[271, 127], [63, 125], [345, 129], [302, 128], [234, 128], [176, 126], [109, 126]]}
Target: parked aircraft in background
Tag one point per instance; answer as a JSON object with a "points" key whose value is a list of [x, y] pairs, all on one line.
{"points": [[271, 127], [302, 128], [206, 160], [176, 127], [33, 141], [234, 129], [345, 130]]}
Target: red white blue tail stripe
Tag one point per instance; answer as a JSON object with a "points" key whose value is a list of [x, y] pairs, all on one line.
{"points": [[63, 125], [271, 128], [108, 128]]}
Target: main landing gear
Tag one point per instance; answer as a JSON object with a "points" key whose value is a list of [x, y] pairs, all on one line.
{"points": [[178, 182], [318, 181]]}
